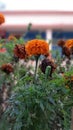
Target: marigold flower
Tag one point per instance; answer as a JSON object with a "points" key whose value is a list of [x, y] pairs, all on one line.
{"points": [[2, 18], [69, 43], [66, 52], [37, 47], [61, 43], [7, 68], [67, 47], [19, 51], [46, 62], [12, 38]]}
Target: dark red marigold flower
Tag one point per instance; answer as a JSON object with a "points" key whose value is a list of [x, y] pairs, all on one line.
{"points": [[71, 50], [66, 51], [61, 43], [67, 47], [19, 51], [7, 68], [46, 62]]}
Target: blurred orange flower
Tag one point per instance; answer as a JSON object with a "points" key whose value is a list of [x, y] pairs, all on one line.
{"points": [[19, 51], [37, 47], [69, 43], [7, 68], [12, 38], [2, 18]]}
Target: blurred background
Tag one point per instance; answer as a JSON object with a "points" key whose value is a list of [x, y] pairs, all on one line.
{"points": [[52, 19]]}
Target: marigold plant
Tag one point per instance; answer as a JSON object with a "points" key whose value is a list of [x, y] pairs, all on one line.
{"points": [[37, 47], [2, 18]]}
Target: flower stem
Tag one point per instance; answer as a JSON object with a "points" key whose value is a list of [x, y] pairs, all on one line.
{"points": [[36, 65]]}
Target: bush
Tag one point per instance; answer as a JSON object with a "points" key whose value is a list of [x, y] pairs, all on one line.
{"points": [[35, 100]]}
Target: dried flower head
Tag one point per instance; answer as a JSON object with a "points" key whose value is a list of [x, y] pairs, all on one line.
{"points": [[67, 47], [37, 47], [46, 62], [66, 52], [19, 51], [61, 43], [7, 68], [2, 18]]}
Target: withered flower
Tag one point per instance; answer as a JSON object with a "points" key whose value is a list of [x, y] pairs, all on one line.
{"points": [[61, 43], [2, 18], [19, 51], [7, 68], [67, 47], [47, 62], [66, 52]]}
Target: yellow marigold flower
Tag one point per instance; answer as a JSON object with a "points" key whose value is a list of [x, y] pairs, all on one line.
{"points": [[69, 43], [2, 18], [37, 47], [12, 38]]}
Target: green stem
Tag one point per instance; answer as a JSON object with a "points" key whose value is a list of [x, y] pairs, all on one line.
{"points": [[36, 65]]}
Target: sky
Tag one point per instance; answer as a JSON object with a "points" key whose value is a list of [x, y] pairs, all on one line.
{"points": [[55, 5]]}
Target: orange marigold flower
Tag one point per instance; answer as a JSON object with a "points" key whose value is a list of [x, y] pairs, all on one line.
{"points": [[7, 68], [37, 47], [12, 38], [2, 18], [69, 43], [19, 51]]}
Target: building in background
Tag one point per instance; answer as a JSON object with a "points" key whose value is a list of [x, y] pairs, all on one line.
{"points": [[51, 19]]}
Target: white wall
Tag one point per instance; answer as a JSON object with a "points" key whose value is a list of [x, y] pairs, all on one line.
{"points": [[39, 19], [60, 5]]}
